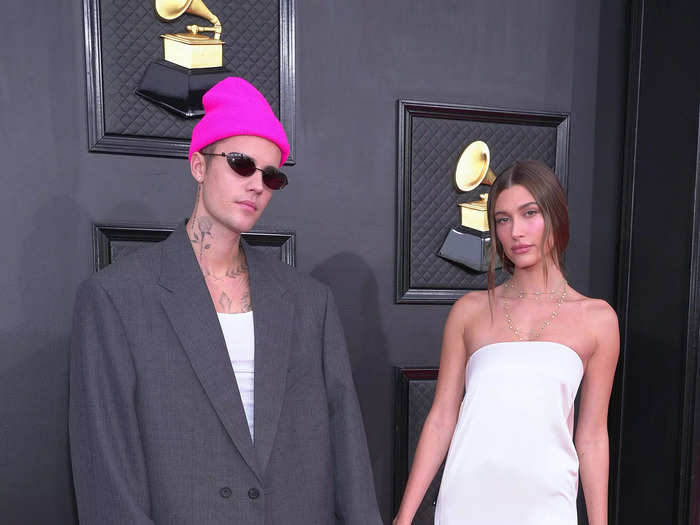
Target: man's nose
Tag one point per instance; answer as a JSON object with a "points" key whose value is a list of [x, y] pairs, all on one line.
{"points": [[255, 181]]}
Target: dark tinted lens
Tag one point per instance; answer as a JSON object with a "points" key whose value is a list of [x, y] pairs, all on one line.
{"points": [[274, 178], [241, 164]]}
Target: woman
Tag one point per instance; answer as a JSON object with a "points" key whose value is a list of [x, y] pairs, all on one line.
{"points": [[523, 348]]}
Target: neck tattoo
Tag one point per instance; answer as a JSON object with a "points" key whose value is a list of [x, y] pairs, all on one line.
{"points": [[204, 225]]}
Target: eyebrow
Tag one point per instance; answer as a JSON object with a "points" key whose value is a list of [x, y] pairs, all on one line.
{"points": [[519, 207]]}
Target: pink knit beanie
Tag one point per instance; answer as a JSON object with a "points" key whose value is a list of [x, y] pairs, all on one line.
{"points": [[234, 107]]}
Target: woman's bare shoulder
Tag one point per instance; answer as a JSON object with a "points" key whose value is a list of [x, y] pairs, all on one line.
{"points": [[599, 309], [472, 302], [598, 316], [470, 309]]}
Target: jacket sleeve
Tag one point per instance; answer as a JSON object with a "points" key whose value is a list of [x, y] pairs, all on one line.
{"points": [[109, 469], [355, 498]]}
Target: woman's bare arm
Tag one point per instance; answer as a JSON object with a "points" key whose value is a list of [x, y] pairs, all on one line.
{"points": [[441, 420], [591, 439]]}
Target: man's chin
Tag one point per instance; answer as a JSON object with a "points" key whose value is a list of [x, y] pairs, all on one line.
{"points": [[239, 227]]}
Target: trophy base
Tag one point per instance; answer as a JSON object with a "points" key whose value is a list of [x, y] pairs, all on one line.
{"points": [[192, 51], [468, 247], [177, 89]]}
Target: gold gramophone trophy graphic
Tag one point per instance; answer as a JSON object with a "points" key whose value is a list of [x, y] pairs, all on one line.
{"points": [[470, 242], [191, 64]]}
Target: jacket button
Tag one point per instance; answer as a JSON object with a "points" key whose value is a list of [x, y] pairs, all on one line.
{"points": [[253, 493], [225, 492]]}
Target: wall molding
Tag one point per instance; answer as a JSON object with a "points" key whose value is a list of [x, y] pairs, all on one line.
{"points": [[403, 377], [408, 110], [104, 235], [99, 140]]}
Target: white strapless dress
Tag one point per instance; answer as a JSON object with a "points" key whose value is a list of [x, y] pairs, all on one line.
{"points": [[512, 459]]}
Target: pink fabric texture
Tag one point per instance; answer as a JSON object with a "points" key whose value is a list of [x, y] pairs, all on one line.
{"points": [[234, 107]]}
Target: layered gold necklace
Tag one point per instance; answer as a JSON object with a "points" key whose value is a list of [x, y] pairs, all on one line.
{"points": [[530, 336]]}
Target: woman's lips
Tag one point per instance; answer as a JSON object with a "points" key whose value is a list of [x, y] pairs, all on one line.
{"points": [[248, 204], [521, 248]]}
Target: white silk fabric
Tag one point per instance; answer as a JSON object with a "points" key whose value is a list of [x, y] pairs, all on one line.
{"points": [[512, 459]]}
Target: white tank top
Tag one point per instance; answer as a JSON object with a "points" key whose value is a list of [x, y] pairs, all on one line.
{"points": [[512, 458], [240, 342]]}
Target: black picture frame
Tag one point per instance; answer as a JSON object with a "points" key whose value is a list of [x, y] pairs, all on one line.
{"points": [[100, 141], [106, 235], [409, 416], [408, 110]]}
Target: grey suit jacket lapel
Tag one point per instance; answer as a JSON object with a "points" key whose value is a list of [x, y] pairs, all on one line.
{"points": [[189, 307], [273, 315]]}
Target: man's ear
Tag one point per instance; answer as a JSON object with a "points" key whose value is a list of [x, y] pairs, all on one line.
{"points": [[198, 166]]}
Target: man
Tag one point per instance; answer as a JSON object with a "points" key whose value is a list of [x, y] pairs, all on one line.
{"points": [[210, 384]]}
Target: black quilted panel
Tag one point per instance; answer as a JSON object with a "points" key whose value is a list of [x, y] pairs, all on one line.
{"points": [[420, 398], [435, 147], [131, 40]]}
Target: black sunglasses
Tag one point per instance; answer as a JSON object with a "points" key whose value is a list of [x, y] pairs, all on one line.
{"points": [[245, 166]]}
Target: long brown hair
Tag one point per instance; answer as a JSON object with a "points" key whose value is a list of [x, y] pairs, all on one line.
{"points": [[542, 183]]}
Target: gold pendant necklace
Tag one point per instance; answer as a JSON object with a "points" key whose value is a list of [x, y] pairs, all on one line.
{"points": [[537, 293], [530, 336]]}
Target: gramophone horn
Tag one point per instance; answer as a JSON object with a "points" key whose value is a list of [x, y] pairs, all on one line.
{"points": [[197, 7], [473, 167], [171, 9]]}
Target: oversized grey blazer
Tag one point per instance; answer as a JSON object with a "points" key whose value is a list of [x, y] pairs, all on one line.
{"points": [[157, 428]]}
